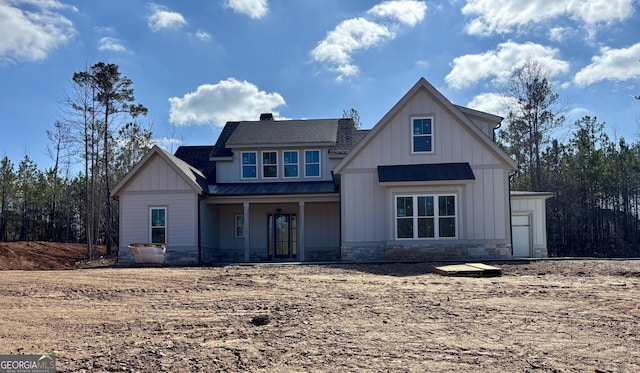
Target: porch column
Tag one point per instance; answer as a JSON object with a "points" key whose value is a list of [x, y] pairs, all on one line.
{"points": [[247, 231], [301, 230]]}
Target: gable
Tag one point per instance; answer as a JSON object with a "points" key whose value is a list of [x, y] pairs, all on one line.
{"points": [[455, 137], [160, 171]]}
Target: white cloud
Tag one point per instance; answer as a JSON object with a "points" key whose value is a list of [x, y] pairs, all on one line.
{"points": [[558, 34], [109, 43], [228, 100], [361, 33], [167, 143], [502, 62], [163, 18], [34, 33], [202, 35], [408, 12], [503, 16], [253, 8], [611, 64], [347, 37], [493, 103]]}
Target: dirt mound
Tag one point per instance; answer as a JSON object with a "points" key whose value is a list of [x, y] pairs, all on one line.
{"points": [[40, 255]]}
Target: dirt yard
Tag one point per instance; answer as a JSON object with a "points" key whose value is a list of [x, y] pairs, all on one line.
{"points": [[555, 316]]}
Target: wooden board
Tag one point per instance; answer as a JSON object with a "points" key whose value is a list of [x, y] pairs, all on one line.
{"points": [[469, 270]]}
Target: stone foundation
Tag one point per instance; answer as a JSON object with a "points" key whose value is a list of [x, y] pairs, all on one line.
{"points": [[540, 252], [363, 254], [420, 253], [448, 252], [321, 254]]}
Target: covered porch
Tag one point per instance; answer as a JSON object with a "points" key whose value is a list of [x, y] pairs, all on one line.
{"points": [[270, 222]]}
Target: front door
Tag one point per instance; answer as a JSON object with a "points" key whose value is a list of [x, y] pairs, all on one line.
{"points": [[282, 236]]}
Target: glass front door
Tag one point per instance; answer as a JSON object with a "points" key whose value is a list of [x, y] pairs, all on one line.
{"points": [[282, 236]]}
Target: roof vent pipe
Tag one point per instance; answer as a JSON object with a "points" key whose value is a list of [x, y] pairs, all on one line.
{"points": [[266, 116]]}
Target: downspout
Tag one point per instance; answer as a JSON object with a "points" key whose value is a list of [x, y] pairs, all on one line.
{"points": [[511, 176], [199, 232], [117, 198], [337, 186]]}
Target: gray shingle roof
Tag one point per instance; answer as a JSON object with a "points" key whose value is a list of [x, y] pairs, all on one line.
{"points": [[219, 149], [347, 137], [198, 157], [425, 172], [339, 134], [279, 132]]}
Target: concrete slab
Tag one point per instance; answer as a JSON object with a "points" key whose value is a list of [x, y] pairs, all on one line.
{"points": [[469, 270]]}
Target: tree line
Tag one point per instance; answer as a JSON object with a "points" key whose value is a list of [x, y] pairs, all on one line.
{"points": [[99, 134], [595, 179]]}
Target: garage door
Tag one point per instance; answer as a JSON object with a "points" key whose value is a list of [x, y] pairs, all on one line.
{"points": [[521, 230]]}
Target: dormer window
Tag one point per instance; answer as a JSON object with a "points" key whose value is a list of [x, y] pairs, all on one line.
{"points": [[270, 165], [312, 163], [249, 165], [422, 134], [290, 160]]}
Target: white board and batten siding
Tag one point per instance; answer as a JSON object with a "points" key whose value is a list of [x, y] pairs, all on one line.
{"points": [[157, 184], [483, 203], [529, 223]]}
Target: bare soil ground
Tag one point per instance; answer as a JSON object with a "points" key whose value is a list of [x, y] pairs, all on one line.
{"points": [[49, 255], [551, 316]]}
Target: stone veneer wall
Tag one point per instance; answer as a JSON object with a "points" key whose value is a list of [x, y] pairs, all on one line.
{"points": [[540, 252], [321, 254], [424, 252], [363, 253]]}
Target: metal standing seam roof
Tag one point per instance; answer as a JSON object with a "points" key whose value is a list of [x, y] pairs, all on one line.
{"points": [[425, 172], [273, 188]]}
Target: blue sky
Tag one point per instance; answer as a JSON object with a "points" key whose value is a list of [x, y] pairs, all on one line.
{"points": [[197, 64]]}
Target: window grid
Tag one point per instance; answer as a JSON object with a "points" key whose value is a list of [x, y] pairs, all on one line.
{"points": [[270, 164], [249, 165], [425, 217], [158, 225], [422, 134], [312, 163], [290, 162], [239, 226]]}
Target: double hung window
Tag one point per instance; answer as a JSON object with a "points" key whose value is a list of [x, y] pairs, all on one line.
{"points": [[422, 134], [270, 165], [249, 165], [312, 163], [290, 161], [158, 225]]}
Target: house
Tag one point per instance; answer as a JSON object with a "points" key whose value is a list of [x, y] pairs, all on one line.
{"points": [[427, 182]]}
